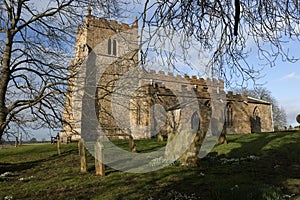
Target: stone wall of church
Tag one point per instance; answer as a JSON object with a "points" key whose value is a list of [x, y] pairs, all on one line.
{"points": [[109, 62], [148, 102], [261, 117]]}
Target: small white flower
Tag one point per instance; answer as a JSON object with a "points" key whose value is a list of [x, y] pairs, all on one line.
{"points": [[234, 187], [201, 174], [9, 197], [5, 174], [252, 157]]}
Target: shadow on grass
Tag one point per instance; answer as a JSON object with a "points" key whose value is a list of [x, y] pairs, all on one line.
{"points": [[21, 166], [265, 177], [273, 174], [278, 162]]}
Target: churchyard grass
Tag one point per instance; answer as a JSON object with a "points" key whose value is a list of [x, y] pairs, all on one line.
{"points": [[252, 166]]}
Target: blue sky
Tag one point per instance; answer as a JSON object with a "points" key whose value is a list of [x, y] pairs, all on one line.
{"points": [[283, 80]]}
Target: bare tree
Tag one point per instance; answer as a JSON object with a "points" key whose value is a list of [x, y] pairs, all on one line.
{"points": [[279, 113], [226, 29], [279, 117], [36, 39]]}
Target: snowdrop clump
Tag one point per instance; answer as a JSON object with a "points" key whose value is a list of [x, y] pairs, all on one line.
{"points": [[6, 174], [9, 197], [160, 162], [238, 160], [26, 179], [179, 196]]}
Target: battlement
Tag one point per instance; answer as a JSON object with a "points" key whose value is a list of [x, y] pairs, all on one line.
{"points": [[193, 80], [103, 23], [185, 83], [236, 97]]}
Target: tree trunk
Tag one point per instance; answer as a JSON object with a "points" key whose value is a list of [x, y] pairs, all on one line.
{"points": [[132, 145], [4, 80], [184, 147], [190, 157], [222, 139]]}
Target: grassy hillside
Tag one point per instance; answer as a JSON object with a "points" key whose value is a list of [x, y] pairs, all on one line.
{"points": [[254, 166]]}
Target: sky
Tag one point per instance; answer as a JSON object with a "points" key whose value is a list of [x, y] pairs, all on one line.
{"points": [[283, 80]]}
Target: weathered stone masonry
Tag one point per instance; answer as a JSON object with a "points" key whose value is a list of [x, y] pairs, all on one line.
{"points": [[116, 55]]}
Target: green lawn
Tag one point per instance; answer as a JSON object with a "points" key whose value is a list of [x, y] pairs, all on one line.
{"points": [[254, 166]]}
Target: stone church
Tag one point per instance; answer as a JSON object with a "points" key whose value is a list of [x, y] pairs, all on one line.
{"points": [[128, 99]]}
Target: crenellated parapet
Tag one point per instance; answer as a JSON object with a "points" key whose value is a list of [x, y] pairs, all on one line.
{"points": [[107, 24], [181, 84], [230, 96]]}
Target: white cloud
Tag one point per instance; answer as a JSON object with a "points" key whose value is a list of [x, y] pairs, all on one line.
{"points": [[290, 76]]}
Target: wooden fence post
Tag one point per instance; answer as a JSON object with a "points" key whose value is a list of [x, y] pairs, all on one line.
{"points": [[58, 142], [82, 154], [17, 142], [99, 166]]}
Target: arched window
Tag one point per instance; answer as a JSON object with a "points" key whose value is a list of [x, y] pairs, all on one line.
{"points": [[195, 122], [255, 121], [256, 113], [114, 47], [109, 46], [138, 115], [229, 114]]}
